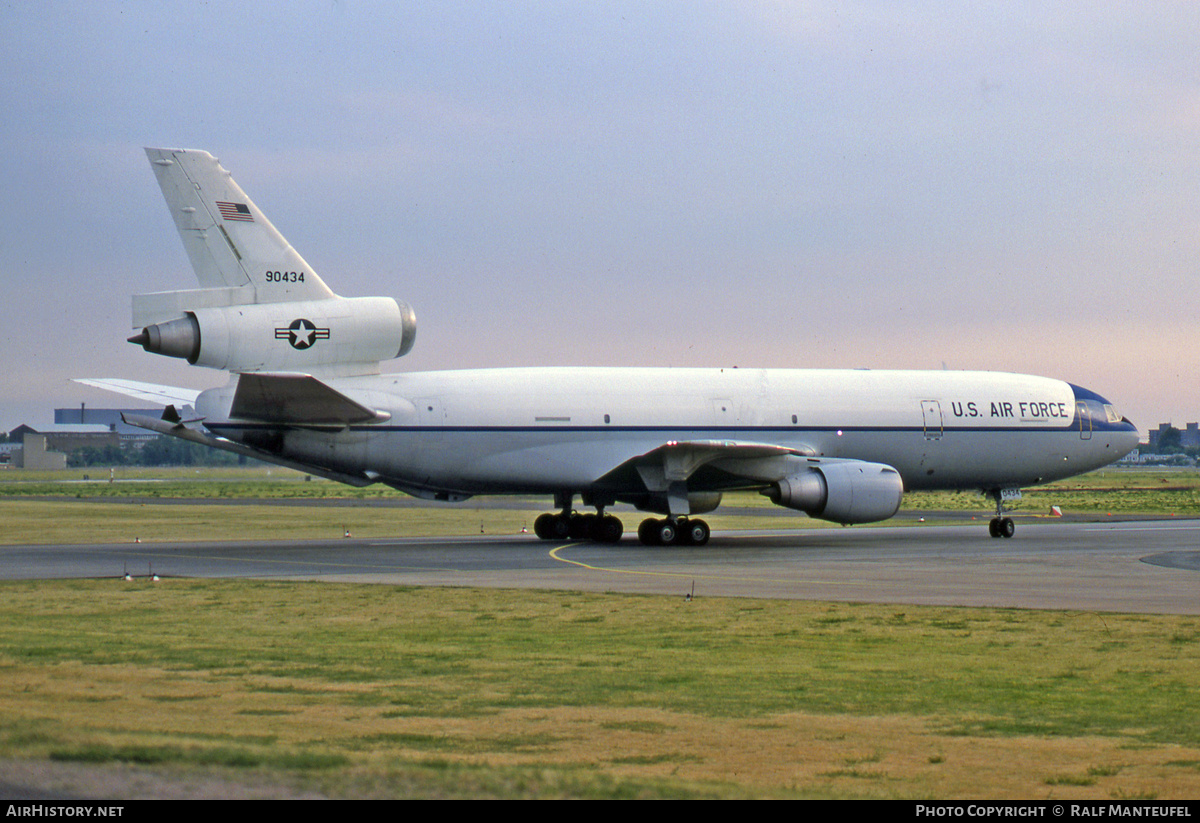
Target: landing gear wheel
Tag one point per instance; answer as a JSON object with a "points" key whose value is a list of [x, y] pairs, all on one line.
{"points": [[1002, 527], [658, 532], [550, 526], [580, 526], [694, 533], [607, 529]]}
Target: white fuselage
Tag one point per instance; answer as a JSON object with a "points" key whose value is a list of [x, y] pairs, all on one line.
{"points": [[550, 430]]}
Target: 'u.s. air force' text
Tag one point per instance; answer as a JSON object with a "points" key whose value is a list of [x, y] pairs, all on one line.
{"points": [[1008, 409]]}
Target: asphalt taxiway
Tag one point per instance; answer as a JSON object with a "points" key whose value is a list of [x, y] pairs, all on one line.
{"points": [[1139, 566]]}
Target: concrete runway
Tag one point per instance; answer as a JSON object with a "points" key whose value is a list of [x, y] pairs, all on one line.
{"points": [[1146, 566]]}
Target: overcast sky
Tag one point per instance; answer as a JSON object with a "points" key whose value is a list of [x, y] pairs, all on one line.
{"points": [[1006, 186]]}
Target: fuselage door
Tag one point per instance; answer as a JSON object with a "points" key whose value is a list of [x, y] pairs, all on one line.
{"points": [[1085, 420], [931, 412]]}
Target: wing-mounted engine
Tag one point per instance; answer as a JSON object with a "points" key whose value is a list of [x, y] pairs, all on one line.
{"points": [[842, 491], [353, 334]]}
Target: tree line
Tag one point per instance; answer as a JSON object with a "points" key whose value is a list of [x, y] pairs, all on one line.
{"points": [[1170, 441], [161, 451]]}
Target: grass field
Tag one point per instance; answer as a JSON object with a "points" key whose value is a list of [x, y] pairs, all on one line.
{"points": [[247, 688], [391, 691], [160, 505]]}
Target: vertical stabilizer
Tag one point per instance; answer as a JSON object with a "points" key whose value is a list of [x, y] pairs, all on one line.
{"points": [[230, 243], [260, 307]]}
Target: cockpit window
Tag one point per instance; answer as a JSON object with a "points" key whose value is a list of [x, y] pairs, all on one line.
{"points": [[1111, 413]]}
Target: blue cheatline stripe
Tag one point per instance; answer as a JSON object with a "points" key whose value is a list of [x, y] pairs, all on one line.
{"points": [[669, 431]]}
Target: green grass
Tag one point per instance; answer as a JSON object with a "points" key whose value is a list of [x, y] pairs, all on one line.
{"points": [[184, 484], [362, 682], [39, 522], [161, 505], [385, 691], [1126, 490]]}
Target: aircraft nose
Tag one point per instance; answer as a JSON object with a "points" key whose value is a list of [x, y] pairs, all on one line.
{"points": [[1131, 437], [1095, 413]]}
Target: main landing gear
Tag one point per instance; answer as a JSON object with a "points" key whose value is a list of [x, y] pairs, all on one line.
{"points": [[605, 528], [681, 531], [569, 524], [1000, 526]]}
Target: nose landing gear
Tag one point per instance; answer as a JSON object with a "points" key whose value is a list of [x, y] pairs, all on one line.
{"points": [[1000, 526]]}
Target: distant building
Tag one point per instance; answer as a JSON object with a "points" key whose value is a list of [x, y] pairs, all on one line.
{"points": [[106, 417], [75, 428], [1189, 436], [67, 437], [34, 454]]}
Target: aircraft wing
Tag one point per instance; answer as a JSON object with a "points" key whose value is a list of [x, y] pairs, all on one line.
{"points": [[706, 463], [149, 392], [281, 394], [842, 490], [169, 424]]}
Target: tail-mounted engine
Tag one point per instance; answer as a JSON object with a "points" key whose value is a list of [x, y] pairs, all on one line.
{"points": [[260, 306], [288, 336], [849, 491]]}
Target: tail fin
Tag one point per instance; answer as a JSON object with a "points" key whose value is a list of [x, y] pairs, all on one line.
{"points": [[230, 243], [260, 307]]}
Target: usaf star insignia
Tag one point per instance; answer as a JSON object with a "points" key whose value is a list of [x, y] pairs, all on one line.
{"points": [[301, 334]]}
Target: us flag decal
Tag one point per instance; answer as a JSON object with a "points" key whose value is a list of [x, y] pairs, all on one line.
{"points": [[235, 211]]}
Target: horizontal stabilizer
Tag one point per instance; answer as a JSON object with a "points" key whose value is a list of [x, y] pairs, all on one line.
{"points": [[157, 307], [148, 392], [296, 399]]}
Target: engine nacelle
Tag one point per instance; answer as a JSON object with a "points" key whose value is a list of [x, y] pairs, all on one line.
{"points": [[846, 491], [289, 336]]}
